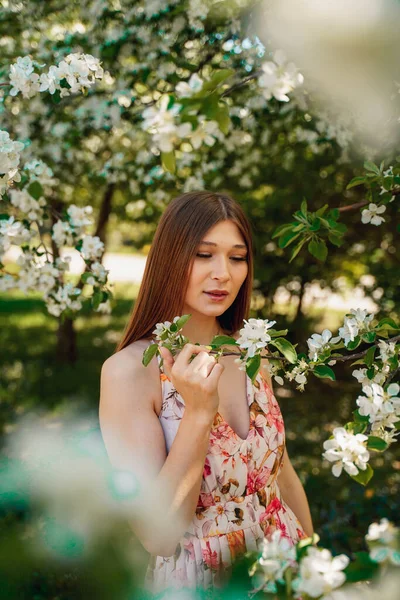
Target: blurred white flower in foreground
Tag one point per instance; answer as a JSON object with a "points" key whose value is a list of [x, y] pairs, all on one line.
{"points": [[319, 573]]}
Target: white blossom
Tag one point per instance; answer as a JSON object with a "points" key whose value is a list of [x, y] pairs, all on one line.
{"points": [[320, 573], [362, 377], [99, 271], [79, 70], [104, 307], [349, 331], [65, 297], [33, 209], [206, 133], [254, 335], [62, 233], [164, 327], [317, 343], [383, 540], [387, 350], [347, 450], [9, 161], [279, 78], [12, 232], [185, 89], [23, 79], [371, 214], [160, 122], [78, 215], [92, 247], [277, 554], [379, 405]]}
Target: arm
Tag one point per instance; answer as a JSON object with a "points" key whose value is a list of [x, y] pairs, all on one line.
{"points": [[134, 439], [294, 495], [289, 483]]}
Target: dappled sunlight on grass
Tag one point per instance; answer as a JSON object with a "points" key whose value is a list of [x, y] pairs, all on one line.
{"points": [[31, 380]]}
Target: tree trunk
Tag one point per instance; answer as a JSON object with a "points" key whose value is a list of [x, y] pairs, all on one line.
{"points": [[66, 351], [104, 213]]}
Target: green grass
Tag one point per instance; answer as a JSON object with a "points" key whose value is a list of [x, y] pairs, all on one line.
{"points": [[31, 380]]}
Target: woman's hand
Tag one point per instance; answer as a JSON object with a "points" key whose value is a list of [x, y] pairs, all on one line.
{"points": [[195, 381]]}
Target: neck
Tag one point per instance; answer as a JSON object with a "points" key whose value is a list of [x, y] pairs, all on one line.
{"points": [[201, 330]]}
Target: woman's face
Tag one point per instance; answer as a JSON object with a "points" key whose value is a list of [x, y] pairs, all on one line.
{"points": [[220, 264]]}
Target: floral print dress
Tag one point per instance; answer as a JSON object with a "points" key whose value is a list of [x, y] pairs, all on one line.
{"points": [[240, 501]]}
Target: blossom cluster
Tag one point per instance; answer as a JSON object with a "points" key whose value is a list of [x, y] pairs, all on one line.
{"points": [[381, 407], [315, 573], [167, 131], [80, 71], [307, 570], [347, 451], [279, 77], [9, 161]]}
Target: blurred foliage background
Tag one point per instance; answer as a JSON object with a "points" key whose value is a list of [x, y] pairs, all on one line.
{"points": [[288, 168]]}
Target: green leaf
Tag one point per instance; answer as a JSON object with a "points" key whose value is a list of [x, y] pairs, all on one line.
{"points": [[361, 569], [303, 207], [281, 229], [253, 366], [316, 225], [370, 166], [222, 340], [286, 348], [149, 353], [370, 356], [85, 276], [298, 248], [324, 371], [359, 427], [223, 119], [96, 300], [287, 238], [182, 321], [35, 190], [363, 477], [322, 210], [387, 323], [369, 336], [275, 333], [168, 161], [335, 239], [352, 345], [217, 78], [355, 181], [376, 443], [318, 249]]}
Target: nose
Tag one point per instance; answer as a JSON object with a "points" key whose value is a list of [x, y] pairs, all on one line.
{"points": [[220, 269]]}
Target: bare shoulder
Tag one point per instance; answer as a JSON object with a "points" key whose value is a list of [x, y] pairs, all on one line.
{"points": [[125, 369]]}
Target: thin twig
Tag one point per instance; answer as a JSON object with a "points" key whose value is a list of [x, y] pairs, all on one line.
{"points": [[393, 375], [335, 358]]}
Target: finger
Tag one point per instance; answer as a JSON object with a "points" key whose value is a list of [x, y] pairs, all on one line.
{"points": [[202, 363], [168, 360], [187, 351], [215, 374]]}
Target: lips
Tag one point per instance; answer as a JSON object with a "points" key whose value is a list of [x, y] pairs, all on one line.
{"points": [[217, 292]]}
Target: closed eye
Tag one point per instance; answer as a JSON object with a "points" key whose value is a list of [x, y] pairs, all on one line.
{"points": [[232, 257]]}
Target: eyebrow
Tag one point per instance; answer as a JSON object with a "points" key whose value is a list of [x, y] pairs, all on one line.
{"points": [[213, 244]]}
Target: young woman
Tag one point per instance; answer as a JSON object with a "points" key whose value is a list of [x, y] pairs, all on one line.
{"points": [[212, 442]]}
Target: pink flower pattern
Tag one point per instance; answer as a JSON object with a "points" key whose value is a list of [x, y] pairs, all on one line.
{"points": [[239, 501]]}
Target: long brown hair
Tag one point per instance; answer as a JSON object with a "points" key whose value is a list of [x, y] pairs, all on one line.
{"points": [[166, 276]]}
